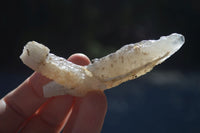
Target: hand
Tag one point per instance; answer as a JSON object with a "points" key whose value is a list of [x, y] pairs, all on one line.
{"points": [[26, 110]]}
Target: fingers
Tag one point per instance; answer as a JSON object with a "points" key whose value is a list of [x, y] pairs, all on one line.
{"points": [[52, 116], [79, 59], [26, 99], [88, 114], [22, 102]]}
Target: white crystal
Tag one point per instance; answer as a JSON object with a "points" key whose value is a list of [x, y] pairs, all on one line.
{"points": [[129, 62]]}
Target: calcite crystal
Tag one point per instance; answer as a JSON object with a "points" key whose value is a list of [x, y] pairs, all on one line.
{"points": [[129, 62]]}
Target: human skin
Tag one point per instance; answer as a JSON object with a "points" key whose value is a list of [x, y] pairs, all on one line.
{"points": [[25, 109]]}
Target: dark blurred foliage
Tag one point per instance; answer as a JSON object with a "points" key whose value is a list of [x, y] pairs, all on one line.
{"points": [[97, 28]]}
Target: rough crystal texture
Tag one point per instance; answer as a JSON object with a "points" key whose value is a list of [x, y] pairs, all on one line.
{"points": [[33, 54], [133, 56], [129, 62]]}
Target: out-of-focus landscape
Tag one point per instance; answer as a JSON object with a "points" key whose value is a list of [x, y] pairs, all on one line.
{"points": [[165, 100]]}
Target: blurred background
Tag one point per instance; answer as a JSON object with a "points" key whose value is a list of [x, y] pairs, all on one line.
{"points": [[164, 100]]}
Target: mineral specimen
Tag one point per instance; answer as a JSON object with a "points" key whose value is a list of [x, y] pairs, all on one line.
{"points": [[129, 62]]}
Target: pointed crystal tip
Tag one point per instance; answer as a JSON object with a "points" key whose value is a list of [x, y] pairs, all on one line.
{"points": [[177, 39]]}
